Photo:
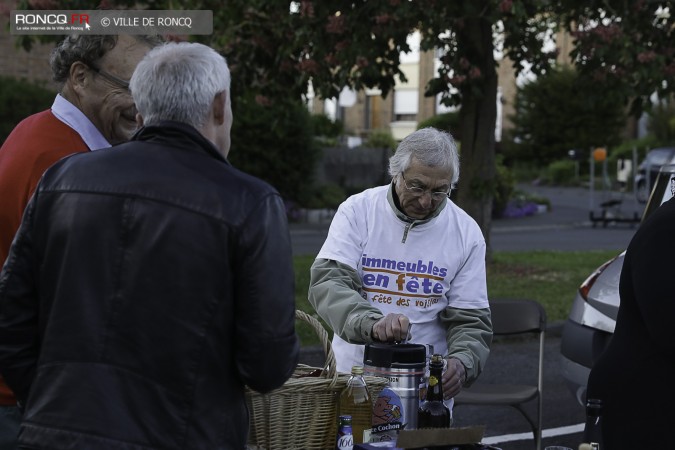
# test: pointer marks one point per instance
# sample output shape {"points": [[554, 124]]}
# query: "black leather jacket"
{"points": [[147, 284]]}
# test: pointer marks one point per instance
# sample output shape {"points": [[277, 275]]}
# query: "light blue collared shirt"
{"points": [[69, 114]]}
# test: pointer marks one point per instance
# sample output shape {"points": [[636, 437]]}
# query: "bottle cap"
{"points": [[345, 419], [436, 361], [436, 358], [357, 370]]}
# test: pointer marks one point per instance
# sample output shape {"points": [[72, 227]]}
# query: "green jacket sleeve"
{"points": [[469, 335], [334, 292]]}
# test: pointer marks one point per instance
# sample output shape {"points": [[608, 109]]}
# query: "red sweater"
{"points": [[33, 146]]}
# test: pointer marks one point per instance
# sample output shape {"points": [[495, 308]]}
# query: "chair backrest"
{"points": [[511, 317], [515, 316]]}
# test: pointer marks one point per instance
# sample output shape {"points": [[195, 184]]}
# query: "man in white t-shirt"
{"points": [[404, 259]]}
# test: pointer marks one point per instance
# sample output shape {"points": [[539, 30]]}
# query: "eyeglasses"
{"points": [[417, 191], [110, 77]]}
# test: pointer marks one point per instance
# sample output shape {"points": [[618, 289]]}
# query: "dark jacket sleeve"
{"points": [[267, 346], [19, 341]]}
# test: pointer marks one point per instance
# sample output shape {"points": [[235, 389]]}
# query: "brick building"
{"points": [[18, 63]]}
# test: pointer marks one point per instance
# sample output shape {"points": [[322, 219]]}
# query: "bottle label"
{"points": [[388, 416], [345, 442], [433, 381]]}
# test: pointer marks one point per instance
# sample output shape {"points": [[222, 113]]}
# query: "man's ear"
{"points": [[79, 73], [139, 120], [218, 107]]}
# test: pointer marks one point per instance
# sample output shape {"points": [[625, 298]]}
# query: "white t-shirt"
{"points": [[415, 270]]}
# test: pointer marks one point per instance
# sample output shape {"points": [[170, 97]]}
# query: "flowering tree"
{"points": [[359, 43], [276, 47], [629, 46], [626, 44]]}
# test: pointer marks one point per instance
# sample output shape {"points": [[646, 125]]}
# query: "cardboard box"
{"points": [[391, 445], [429, 437], [438, 437]]}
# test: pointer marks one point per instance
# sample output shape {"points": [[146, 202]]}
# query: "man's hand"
{"points": [[454, 377], [391, 328]]}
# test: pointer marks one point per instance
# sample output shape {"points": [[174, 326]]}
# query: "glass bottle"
{"points": [[355, 401], [593, 427], [432, 412], [344, 439]]}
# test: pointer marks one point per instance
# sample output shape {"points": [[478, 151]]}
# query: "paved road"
{"points": [[567, 226]]}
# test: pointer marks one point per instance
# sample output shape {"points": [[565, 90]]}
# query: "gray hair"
{"points": [[88, 49], [429, 146], [178, 81]]}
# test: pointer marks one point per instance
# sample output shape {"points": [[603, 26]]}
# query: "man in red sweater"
{"points": [[93, 111]]}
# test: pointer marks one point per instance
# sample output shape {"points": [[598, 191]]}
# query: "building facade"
{"points": [[406, 106]]}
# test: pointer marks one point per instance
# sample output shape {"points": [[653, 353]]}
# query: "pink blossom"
{"points": [[505, 6], [382, 19], [670, 70], [5, 9], [330, 59], [306, 9], [309, 66], [175, 37], [342, 45], [646, 57], [336, 24], [639, 5], [42, 4], [607, 33], [474, 73], [457, 80], [285, 66], [263, 100]]}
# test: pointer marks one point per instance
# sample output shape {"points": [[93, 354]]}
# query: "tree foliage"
{"points": [[558, 112], [662, 121], [628, 45], [19, 99], [274, 142], [448, 121], [275, 48]]}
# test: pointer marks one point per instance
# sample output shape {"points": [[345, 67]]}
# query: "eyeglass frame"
{"points": [[417, 191], [110, 77]]}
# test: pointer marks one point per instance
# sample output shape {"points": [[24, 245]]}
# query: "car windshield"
{"points": [[663, 190], [658, 156]]}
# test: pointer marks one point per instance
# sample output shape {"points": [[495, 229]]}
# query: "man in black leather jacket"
{"points": [[149, 283]]}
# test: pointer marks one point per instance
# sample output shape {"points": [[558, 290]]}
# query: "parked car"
{"points": [[651, 165], [590, 324]]}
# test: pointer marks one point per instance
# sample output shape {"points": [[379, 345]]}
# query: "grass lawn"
{"points": [[550, 277]]}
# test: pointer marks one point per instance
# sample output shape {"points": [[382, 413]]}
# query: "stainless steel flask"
{"points": [[404, 365]]}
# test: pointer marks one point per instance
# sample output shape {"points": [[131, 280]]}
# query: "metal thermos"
{"points": [[404, 365]]}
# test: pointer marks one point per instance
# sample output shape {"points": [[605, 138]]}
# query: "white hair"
{"points": [[178, 81], [431, 147]]}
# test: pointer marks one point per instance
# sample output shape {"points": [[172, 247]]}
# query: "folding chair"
{"points": [[513, 317]]}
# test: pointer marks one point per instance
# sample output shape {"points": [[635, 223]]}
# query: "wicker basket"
{"points": [[302, 414]]}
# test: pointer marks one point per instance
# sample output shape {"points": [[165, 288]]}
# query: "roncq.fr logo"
{"points": [[52, 19]]}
